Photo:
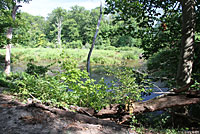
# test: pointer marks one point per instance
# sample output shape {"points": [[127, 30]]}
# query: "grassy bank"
{"points": [[106, 57]]}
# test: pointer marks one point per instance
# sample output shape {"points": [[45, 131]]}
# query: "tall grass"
{"points": [[21, 55]]}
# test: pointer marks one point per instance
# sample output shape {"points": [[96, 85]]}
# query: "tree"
{"points": [[146, 13], [30, 31], [12, 7], [95, 36], [56, 19], [185, 66], [84, 23], [70, 30]]}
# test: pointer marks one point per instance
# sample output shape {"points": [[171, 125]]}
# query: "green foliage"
{"points": [[126, 41], [196, 85], [130, 56], [3, 81], [46, 55], [77, 29], [129, 84], [82, 90], [74, 44], [109, 48], [155, 39], [30, 31], [46, 89], [104, 60], [73, 86], [134, 49], [163, 63], [33, 69]]}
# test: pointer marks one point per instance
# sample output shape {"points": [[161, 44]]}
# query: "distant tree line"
{"points": [[74, 28]]}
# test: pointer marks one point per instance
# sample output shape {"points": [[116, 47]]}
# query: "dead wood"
{"points": [[120, 112], [76, 116], [123, 112]]}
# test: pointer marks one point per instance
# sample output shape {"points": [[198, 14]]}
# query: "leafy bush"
{"points": [[39, 70], [129, 84], [75, 44], [130, 56], [82, 90], [3, 81], [70, 87], [196, 85], [100, 60], [164, 63], [73, 86], [109, 48], [47, 89], [129, 49]]}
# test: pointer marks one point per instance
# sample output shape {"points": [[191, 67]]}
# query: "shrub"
{"points": [[129, 84], [128, 49], [82, 90], [164, 63], [70, 87], [100, 60], [130, 56], [3, 81], [73, 86], [39, 70], [109, 48], [75, 44]]}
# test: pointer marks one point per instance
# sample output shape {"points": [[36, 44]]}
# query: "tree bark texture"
{"points": [[94, 39], [184, 71], [8, 46]]}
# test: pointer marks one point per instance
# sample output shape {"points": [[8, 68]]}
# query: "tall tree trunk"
{"points": [[8, 46], [94, 39], [8, 52], [184, 71], [59, 25]]}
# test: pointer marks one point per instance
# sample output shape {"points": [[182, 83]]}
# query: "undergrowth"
{"points": [[73, 86]]}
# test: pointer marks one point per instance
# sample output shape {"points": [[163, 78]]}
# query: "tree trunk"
{"points": [[184, 71], [8, 52], [94, 39], [59, 25], [8, 46]]}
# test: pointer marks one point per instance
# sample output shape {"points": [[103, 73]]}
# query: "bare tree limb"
{"points": [[94, 39]]}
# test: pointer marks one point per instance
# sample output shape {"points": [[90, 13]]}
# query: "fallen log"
{"points": [[158, 103], [153, 104], [123, 112]]}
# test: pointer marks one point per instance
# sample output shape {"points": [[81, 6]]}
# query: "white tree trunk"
{"points": [[184, 71], [59, 25], [8, 52], [8, 46]]}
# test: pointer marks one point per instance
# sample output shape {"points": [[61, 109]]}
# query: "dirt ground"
{"points": [[19, 118]]}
